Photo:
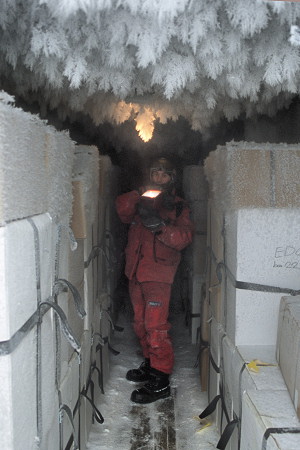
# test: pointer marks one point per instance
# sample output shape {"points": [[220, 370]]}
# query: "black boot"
{"points": [[157, 387], [140, 374]]}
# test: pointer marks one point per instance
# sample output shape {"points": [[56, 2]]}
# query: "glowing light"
{"points": [[151, 194], [143, 116], [145, 124]]}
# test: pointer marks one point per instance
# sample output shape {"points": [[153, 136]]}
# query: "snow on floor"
{"points": [[167, 424]]}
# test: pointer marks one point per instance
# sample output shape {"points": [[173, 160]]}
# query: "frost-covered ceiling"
{"points": [[151, 59]]}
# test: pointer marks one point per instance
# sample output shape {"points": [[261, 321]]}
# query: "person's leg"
{"points": [[157, 299], [138, 304]]}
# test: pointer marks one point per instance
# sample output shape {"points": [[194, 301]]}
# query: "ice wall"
{"points": [[253, 265], [56, 293]]}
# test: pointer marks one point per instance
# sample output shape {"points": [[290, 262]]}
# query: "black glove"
{"points": [[168, 201], [153, 223], [150, 217]]}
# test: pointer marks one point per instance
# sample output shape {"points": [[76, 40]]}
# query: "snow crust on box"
{"points": [[60, 149], [35, 167], [247, 174], [23, 171], [86, 169]]}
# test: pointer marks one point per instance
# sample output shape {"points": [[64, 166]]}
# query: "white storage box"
{"points": [[18, 374], [268, 409], [240, 378], [263, 246], [251, 175], [18, 276], [288, 346], [69, 390], [251, 316]]}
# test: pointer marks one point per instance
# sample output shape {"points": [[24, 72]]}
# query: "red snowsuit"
{"points": [[151, 263]]}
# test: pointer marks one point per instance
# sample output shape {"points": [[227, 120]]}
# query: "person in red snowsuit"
{"points": [[159, 230]]}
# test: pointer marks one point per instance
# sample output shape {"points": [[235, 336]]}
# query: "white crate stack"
{"points": [[49, 284], [195, 192], [254, 260]]}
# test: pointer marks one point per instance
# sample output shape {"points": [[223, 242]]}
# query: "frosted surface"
{"points": [[201, 60], [35, 167]]}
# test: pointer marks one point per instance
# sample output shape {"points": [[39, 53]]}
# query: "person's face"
{"points": [[160, 177]]}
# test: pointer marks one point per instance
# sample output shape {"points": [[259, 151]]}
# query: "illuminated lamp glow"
{"points": [[144, 124], [151, 194]]}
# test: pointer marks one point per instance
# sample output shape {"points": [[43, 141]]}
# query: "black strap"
{"points": [[194, 316], [216, 368], [112, 350], [68, 333], [270, 431], [259, 287], [100, 377], [97, 414], [103, 341], [7, 347], [75, 293], [211, 407], [226, 435], [264, 288], [70, 416], [114, 327], [249, 285]]}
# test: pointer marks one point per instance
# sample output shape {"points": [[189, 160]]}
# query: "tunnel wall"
{"points": [[252, 280], [59, 270], [195, 188]]}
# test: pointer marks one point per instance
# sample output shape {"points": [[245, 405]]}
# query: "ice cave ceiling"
{"points": [[151, 61]]}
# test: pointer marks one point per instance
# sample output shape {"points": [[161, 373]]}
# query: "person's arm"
{"points": [[180, 234], [126, 205]]}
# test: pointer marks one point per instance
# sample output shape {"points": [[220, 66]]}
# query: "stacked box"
{"points": [[253, 241], [69, 394], [26, 245], [253, 245], [18, 277], [195, 192], [85, 216], [216, 337], [35, 167], [196, 289], [86, 411], [262, 246], [105, 330], [23, 159], [35, 206], [288, 346], [60, 265], [266, 409], [251, 175], [50, 398], [105, 167], [18, 391]]}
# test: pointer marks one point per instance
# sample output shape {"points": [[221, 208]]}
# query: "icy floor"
{"points": [[160, 425]]}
